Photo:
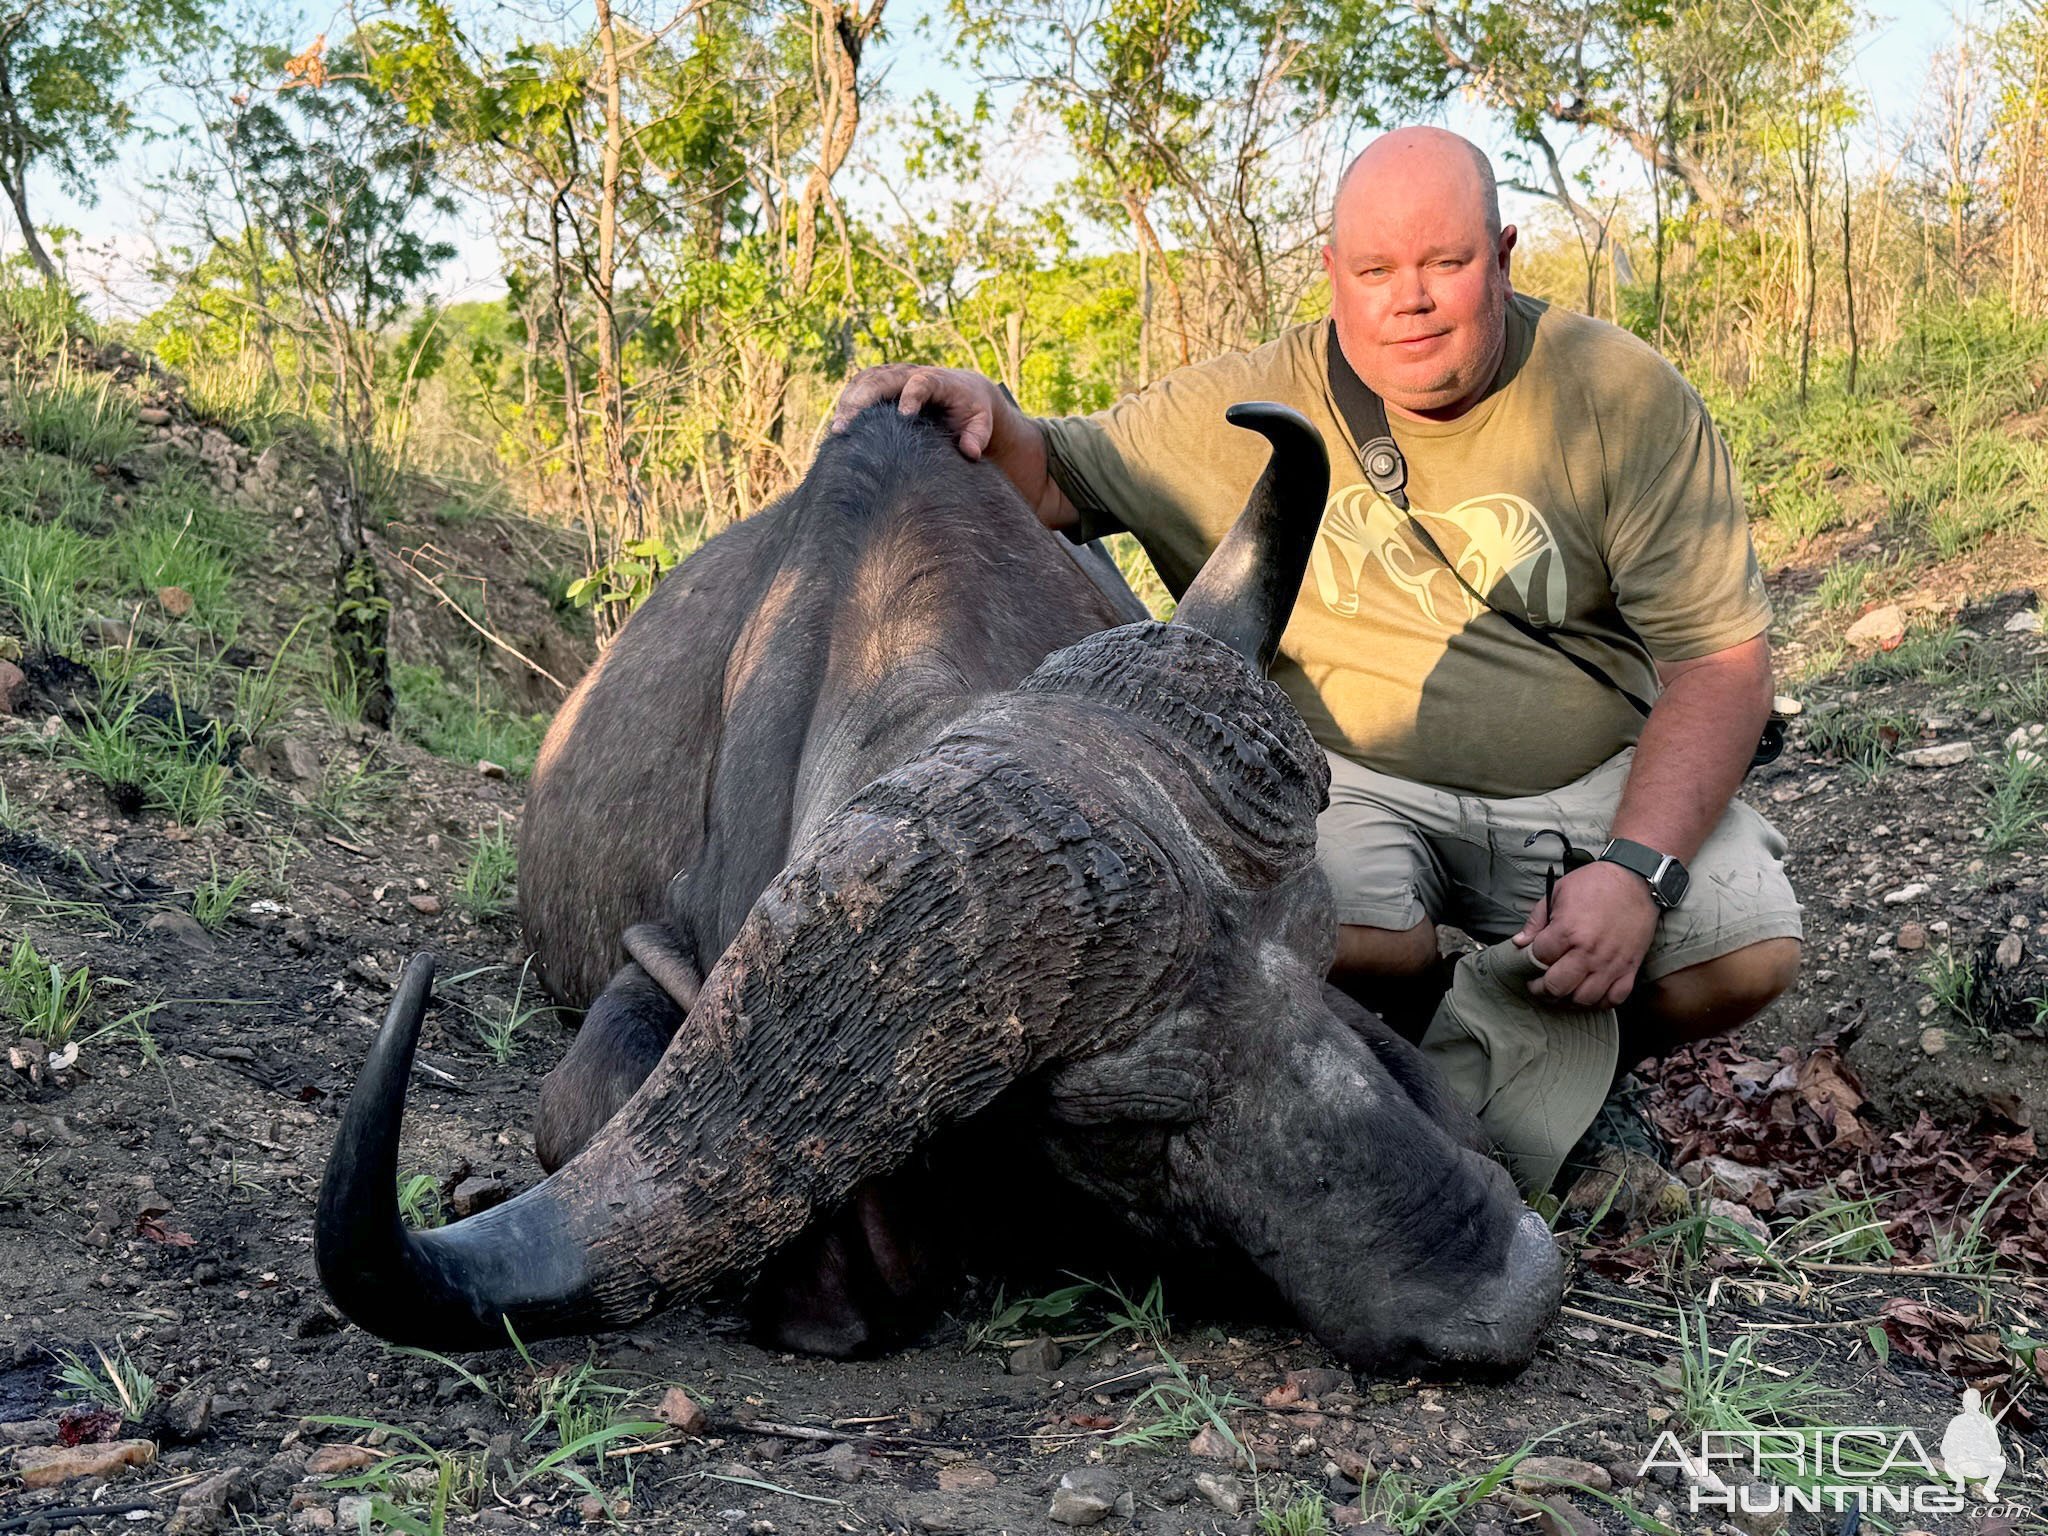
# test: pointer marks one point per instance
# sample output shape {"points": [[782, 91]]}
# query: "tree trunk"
{"points": [[1142, 223], [1144, 314], [362, 611], [17, 194], [623, 501], [1849, 263], [1809, 156]]}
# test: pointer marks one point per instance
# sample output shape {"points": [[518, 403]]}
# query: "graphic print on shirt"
{"points": [[1488, 538]]}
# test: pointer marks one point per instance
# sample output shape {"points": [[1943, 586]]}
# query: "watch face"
{"points": [[1671, 889]]}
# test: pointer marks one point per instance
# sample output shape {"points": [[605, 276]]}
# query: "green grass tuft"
{"points": [[485, 890], [119, 1383], [45, 572], [440, 717], [214, 899], [38, 996], [70, 414]]}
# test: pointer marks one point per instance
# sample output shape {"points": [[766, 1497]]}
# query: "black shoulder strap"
{"points": [[1387, 472]]}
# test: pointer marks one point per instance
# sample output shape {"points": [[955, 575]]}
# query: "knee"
{"points": [[1388, 952], [1728, 991], [1757, 976]]}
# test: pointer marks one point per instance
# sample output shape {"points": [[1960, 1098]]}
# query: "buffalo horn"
{"points": [[960, 923], [1246, 589]]}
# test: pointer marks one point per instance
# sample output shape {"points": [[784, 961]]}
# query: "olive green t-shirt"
{"points": [[1587, 490]]}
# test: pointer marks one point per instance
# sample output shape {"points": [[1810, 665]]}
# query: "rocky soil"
{"points": [[156, 1182]]}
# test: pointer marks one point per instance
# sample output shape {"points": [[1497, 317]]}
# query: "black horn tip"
{"points": [[1246, 589], [1258, 414], [358, 1232], [1288, 431]]}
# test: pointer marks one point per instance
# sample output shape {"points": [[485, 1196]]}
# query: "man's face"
{"points": [[1419, 289]]}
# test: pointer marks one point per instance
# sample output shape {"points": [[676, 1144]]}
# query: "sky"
{"points": [[116, 231]]}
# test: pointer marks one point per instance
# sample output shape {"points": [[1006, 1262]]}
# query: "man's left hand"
{"points": [[1594, 940]]}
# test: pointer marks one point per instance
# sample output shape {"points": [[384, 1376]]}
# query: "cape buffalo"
{"points": [[896, 818]]}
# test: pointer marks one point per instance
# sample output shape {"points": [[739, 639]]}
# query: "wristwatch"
{"points": [[1666, 876]]}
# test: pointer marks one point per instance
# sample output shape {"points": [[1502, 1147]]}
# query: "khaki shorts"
{"points": [[1397, 852]]}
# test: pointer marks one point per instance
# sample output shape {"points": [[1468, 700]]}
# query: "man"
{"points": [[1566, 473]]}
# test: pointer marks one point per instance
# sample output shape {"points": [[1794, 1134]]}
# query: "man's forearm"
{"points": [[1019, 449], [1695, 747]]}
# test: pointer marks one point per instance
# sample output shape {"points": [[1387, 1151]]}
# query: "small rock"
{"points": [[1318, 1381], [1905, 893], [1912, 936], [186, 1417], [681, 1411], [29, 1058], [1221, 1490], [314, 1517], [1212, 1443], [1085, 1497], [47, 1466], [28, 1432], [426, 906], [1934, 1040], [352, 1512], [2009, 953], [478, 1193], [338, 1460], [489, 769], [1040, 1357], [153, 416], [2026, 622], [1742, 1216], [13, 684], [203, 1506], [1949, 754], [1557, 1515], [2022, 736], [111, 633], [176, 602], [1533, 1473], [297, 759], [1881, 629], [1767, 1517], [182, 929], [968, 1479], [316, 1322], [845, 1461]]}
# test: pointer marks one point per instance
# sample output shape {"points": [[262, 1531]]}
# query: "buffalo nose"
{"points": [[1500, 1327]]}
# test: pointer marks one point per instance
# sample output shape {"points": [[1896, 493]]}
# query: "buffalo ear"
{"points": [[1161, 1087]]}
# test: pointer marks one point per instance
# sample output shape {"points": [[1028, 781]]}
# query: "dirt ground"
{"points": [[156, 1197]]}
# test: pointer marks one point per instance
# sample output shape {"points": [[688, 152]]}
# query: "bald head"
{"points": [[1421, 163], [1418, 266]]}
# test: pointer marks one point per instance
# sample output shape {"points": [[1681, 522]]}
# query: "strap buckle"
{"points": [[1385, 468]]}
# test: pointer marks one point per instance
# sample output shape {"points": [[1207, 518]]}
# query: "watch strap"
{"points": [[1641, 859]]}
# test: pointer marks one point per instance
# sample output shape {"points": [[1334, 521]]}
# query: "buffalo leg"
{"points": [[622, 1037]]}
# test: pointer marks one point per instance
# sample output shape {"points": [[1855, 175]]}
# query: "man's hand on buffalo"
{"points": [[983, 421], [1592, 936], [970, 405]]}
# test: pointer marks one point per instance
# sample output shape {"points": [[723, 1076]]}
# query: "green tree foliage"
{"points": [[64, 98]]}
